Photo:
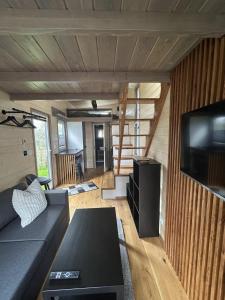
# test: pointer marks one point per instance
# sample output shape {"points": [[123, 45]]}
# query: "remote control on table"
{"points": [[65, 275]]}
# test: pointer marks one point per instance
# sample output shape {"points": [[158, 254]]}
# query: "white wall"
{"points": [[148, 90], [160, 143], [159, 151], [75, 135], [89, 137]]}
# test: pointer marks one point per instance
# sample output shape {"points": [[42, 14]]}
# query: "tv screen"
{"points": [[203, 146]]}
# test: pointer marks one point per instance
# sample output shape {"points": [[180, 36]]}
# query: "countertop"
{"points": [[70, 151]]}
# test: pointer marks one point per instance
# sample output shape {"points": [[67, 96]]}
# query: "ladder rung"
{"points": [[124, 167], [137, 120], [127, 147], [123, 157], [117, 135], [117, 145]]}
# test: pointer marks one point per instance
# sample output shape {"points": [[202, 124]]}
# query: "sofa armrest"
{"points": [[57, 197]]}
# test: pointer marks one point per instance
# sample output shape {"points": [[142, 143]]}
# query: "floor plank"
{"points": [[152, 275]]}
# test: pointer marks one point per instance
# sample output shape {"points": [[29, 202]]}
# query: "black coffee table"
{"points": [[91, 246]]}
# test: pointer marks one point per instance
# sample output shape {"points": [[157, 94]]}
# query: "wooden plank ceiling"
{"points": [[95, 52]]}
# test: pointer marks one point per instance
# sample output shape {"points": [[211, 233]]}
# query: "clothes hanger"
{"points": [[11, 119], [27, 122]]}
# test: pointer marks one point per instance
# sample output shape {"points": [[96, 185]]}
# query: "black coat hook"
{"points": [[27, 114], [12, 121]]}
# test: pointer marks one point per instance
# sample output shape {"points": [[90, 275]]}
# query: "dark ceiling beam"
{"points": [[53, 21]]}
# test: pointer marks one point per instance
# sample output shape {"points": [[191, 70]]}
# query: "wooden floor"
{"points": [[152, 275]]}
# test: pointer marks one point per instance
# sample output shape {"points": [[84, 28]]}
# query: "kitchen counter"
{"points": [[66, 162], [70, 151]]}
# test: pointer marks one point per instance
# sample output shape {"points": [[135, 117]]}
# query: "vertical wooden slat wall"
{"points": [[195, 218]]}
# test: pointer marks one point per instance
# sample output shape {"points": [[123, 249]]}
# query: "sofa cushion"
{"points": [[7, 212], [29, 204], [42, 228], [19, 261]]}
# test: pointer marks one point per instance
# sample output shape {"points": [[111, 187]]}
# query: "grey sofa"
{"points": [[26, 253]]}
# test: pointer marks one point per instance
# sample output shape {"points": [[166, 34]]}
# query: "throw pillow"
{"points": [[7, 212], [29, 204]]}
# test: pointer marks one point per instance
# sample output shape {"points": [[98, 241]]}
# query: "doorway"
{"points": [[99, 144], [102, 146], [42, 147]]}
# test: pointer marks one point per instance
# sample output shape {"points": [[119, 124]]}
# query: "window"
{"points": [[100, 133], [61, 134]]}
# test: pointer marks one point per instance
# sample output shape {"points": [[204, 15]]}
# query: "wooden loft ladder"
{"points": [[123, 105], [122, 162]]}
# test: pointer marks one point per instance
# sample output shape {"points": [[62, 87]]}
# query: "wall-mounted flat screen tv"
{"points": [[203, 146]]}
